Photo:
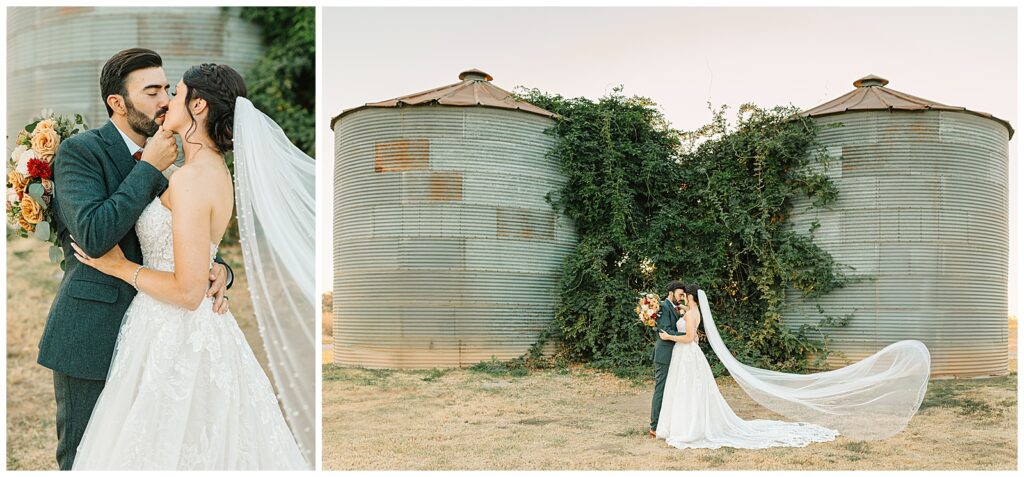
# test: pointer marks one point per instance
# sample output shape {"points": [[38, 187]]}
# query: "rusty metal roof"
{"points": [[872, 95], [473, 89]]}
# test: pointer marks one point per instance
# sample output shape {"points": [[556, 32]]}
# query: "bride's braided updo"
{"points": [[691, 289], [219, 85]]}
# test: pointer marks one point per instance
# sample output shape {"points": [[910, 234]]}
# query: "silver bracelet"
{"points": [[135, 278]]}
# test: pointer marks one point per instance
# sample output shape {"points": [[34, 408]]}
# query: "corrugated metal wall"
{"points": [[923, 208], [55, 54], [446, 252]]}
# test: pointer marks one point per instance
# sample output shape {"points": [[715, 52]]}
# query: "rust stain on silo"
{"points": [[519, 223], [67, 11], [401, 155], [444, 186]]}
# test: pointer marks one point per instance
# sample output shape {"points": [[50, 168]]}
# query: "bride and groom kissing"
{"points": [[871, 399], [150, 369]]}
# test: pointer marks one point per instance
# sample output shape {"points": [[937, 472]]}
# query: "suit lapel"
{"points": [[671, 313], [117, 150], [672, 310]]}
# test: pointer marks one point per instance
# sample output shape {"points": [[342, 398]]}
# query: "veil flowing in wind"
{"points": [[868, 400], [275, 200]]}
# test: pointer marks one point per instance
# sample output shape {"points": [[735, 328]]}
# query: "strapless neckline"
{"points": [[169, 211]]}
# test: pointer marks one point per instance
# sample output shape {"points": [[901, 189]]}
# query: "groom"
{"points": [[663, 348], [103, 179]]}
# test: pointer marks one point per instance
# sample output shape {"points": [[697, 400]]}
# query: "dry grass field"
{"points": [[580, 419], [326, 338], [31, 283]]}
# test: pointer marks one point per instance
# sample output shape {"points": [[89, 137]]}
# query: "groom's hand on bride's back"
{"points": [[218, 285], [161, 151]]}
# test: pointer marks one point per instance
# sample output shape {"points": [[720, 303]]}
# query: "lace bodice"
{"points": [[156, 239]]}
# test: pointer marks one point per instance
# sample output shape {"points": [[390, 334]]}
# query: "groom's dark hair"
{"points": [[674, 285], [119, 66]]}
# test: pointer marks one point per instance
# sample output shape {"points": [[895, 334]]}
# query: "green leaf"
{"points": [[35, 191], [56, 254], [43, 231], [31, 127]]}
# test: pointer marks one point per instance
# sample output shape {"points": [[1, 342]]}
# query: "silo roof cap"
{"points": [[473, 89], [872, 95]]}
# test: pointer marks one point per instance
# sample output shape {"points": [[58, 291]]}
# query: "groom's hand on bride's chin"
{"points": [[161, 151]]}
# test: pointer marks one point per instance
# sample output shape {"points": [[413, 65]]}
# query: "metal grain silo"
{"points": [[55, 54], [923, 210], [445, 250]]}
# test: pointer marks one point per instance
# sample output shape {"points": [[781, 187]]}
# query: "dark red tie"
{"points": [[137, 155]]}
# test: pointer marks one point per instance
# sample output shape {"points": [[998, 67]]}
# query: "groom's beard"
{"points": [[141, 123]]}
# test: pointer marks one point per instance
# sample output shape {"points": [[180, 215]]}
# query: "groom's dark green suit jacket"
{"points": [[99, 193], [667, 318]]}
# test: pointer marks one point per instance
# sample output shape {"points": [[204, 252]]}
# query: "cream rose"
{"points": [[45, 124], [17, 152], [45, 141]]}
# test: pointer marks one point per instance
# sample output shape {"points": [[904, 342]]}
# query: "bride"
{"points": [[871, 399], [184, 390]]}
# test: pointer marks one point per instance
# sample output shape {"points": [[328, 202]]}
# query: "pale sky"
{"points": [[681, 57]]}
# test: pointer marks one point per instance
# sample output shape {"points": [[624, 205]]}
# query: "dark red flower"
{"points": [[39, 169]]}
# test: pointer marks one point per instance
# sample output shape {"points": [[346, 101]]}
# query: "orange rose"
{"points": [[18, 182], [26, 224], [45, 142], [30, 210]]}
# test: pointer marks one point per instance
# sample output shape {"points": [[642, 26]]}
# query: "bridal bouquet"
{"points": [[647, 309], [30, 177]]}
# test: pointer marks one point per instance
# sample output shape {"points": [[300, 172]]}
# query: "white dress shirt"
{"points": [[132, 147]]}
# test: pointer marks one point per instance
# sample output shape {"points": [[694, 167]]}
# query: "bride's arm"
{"points": [[191, 215]]}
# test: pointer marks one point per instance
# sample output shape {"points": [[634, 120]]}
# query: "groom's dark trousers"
{"points": [[75, 400], [99, 193], [662, 356]]}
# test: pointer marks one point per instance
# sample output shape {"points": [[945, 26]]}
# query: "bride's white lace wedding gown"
{"points": [[184, 390], [695, 415]]}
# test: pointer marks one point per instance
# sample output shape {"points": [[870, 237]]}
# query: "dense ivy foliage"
{"points": [[282, 84], [652, 204]]}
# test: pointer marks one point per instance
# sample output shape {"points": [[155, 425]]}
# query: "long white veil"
{"points": [[275, 197], [871, 399]]}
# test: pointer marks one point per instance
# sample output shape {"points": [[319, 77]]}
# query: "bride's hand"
{"points": [[111, 263]]}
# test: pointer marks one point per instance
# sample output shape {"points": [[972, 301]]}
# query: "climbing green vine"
{"points": [[651, 204]]}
